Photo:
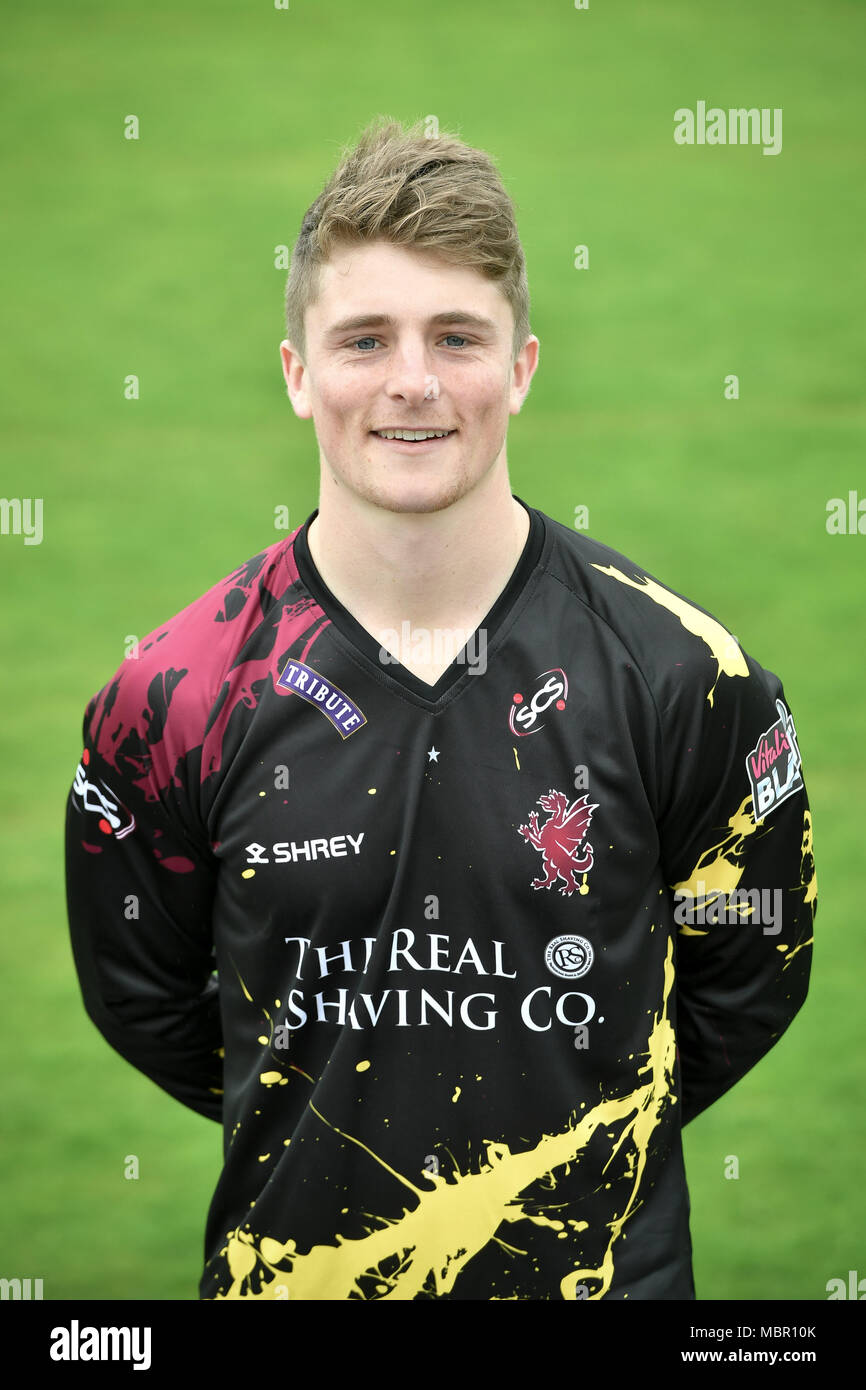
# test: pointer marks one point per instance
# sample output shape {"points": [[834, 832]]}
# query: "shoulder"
{"points": [[668, 636], [156, 707]]}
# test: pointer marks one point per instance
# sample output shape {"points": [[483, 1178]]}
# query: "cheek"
{"points": [[337, 420], [337, 397], [489, 392], [492, 408]]}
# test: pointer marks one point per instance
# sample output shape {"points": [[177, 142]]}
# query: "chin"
{"points": [[420, 501], [420, 497]]}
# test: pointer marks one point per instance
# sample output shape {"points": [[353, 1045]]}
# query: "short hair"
{"points": [[428, 193]]}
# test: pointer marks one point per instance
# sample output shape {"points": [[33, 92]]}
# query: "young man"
{"points": [[500, 848]]}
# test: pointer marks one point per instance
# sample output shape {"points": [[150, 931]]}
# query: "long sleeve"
{"points": [[139, 896], [736, 840]]}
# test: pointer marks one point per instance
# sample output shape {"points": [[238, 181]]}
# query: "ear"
{"points": [[522, 373], [295, 374]]}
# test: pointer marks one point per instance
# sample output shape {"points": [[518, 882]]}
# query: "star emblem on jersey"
{"points": [[561, 840]]}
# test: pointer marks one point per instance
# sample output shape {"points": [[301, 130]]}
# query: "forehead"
{"points": [[403, 285]]}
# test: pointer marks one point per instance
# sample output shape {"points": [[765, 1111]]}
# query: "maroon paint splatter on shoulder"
{"points": [[190, 675]]}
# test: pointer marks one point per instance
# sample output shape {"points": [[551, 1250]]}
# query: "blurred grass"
{"points": [[156, 257]]}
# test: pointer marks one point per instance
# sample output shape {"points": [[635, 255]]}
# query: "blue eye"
{"points": [[461, 341]]}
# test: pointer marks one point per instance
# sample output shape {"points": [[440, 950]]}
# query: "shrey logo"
{"points": [[562, 841], [551, 688], [329, 698], [569, 957], [288, 852], [114, 819], [774, 765]]}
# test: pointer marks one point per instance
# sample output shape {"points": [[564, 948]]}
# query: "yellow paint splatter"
{"points": [[453, 1219], [516, 759], [371, 791], [540, 1220], [717, 870], [263, 1040], [263, 1158], [248, 873], [791, 954], [724, 648], [247, 994], [456, 1095], [810, 884], [271, 1078], [240, 1254], [362, 1066]]}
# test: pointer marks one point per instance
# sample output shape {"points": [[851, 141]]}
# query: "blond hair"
{"points": [[428, 193]]}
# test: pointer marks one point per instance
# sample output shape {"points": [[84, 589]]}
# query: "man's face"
{"points": [[400, 339]]}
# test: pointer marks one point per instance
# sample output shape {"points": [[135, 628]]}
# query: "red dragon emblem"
{"points": [[561, 840]]}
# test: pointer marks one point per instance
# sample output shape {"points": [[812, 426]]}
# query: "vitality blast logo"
{"points": [[330, 699], [774, 765]]}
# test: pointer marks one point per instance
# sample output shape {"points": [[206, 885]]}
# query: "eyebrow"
{"points": [[384, 320]]}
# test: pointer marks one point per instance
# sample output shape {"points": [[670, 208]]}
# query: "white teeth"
{"points": [[413, 434]]}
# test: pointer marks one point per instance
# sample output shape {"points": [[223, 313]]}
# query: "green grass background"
{"points": [[156, 257]]}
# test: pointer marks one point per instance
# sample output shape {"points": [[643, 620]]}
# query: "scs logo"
{"points": [[551, 688], [98, 798]]}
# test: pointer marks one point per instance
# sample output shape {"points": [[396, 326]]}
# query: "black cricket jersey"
{"points": [[452, 964]]}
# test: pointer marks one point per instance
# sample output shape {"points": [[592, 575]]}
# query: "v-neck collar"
{"points": [[365, 644]]}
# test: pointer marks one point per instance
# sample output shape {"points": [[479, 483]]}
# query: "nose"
{"points": [[410, 376]]}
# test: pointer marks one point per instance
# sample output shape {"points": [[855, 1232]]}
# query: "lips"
{"points": [[414, 446], [430, 431]]}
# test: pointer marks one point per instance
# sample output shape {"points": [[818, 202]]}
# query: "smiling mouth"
{"points": [[399, 436]]}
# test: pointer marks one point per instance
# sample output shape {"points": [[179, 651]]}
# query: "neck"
{"points": [[425, 567]]}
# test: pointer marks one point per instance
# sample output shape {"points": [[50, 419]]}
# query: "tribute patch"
{"points": [[343, 713]]}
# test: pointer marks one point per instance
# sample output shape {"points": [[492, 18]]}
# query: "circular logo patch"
{"points": [[569, 957]]}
